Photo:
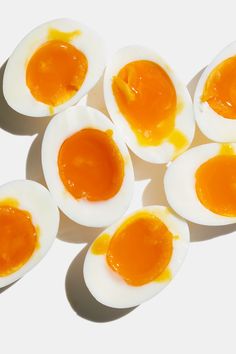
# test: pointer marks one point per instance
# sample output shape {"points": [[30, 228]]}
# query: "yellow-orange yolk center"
{"points": [[216, 184], [141, 249], [91, 165], [220, 89], [147, 99], [18, 239], [55, 72]]}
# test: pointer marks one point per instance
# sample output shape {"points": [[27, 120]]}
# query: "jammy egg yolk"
{"points": [[90, 165], [220, 89], [55, 72], [18, 239], [216, 184], [141, 249], [146, 97]]}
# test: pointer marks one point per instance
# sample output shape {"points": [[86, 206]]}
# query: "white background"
{"points": [[50, 310]]}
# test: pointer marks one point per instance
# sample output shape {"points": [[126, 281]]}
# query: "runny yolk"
{"points": [[18, 238], [90, 165], [215, 183], [220, 88], [55, 72], [146, 97], [141, 249]]}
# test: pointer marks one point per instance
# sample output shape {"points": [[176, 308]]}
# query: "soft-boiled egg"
{"points": [[200, 184], [29, 221], [152, 108], [87, 166], [135, 258], [215, 97], [53, 67]]}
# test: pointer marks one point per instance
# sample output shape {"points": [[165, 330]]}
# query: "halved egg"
{"points": [[148, 103], [87, 166], [29, 221], [135, 258], [53, 67], [200, 185], [215, 97]]}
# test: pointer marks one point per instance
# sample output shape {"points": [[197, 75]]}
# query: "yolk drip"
{"points": [[18, 239], [220, 89], [147, 99], [55, 72], [141, 249], [216, 184], [91, 165]]}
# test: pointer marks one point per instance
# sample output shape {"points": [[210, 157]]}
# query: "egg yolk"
{"points": [[216, 184], [146, 97], [141, 249], [90, 165], [220, 89], [18, 239], [55, 72]]}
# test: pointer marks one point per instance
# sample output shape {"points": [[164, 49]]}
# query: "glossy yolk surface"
{"points": [[141, 249], [216, 184], [146, 97], [55, 72], [220, 89], [18, 239], [91, 165]]}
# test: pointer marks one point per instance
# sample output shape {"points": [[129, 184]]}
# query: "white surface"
{"points": [[196, 312]]}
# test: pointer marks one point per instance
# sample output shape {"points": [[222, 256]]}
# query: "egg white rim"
{"points": [[35, 199], [184, 120], [89, 42], [82, 211]]}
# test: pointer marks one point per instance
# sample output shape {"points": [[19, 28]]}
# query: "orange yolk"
{"points": [[216, 184], [90, 165], [220, 89], [56, 72], [141, 249], [18, 239], [146, 97]]}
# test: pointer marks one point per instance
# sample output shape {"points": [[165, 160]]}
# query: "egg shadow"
{"points": [[81, 300], [95, 97], [2, 290], [14, 122]]}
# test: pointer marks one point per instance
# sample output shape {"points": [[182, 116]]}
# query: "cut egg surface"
{"points": [[29, 220], [215, 97], [200, 185], [135, 258], [149, 104], [54, 66], [87, 166]]}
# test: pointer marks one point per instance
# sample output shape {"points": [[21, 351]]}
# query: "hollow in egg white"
{"points": [[53, 67], [87, 166], [135, 258], [149, 104]]}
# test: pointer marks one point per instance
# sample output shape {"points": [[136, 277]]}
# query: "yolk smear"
{"points": [[100, 245], [176, 237], [90, 165], [146, 97], [54, 33], [220, 89], [55, 72], [165, 276], [179, 141], [10, 202], [216, 184], [226, 149], [18, 238], [141, 249]]}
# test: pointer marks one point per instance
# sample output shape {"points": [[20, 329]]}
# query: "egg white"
{"points": [[35, 199], [213, 125], [162, 153], [110, 289], [15, 90], [82, 211], [179, 184]]}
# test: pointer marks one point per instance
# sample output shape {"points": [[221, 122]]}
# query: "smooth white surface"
{"points": [[196, 312]]}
